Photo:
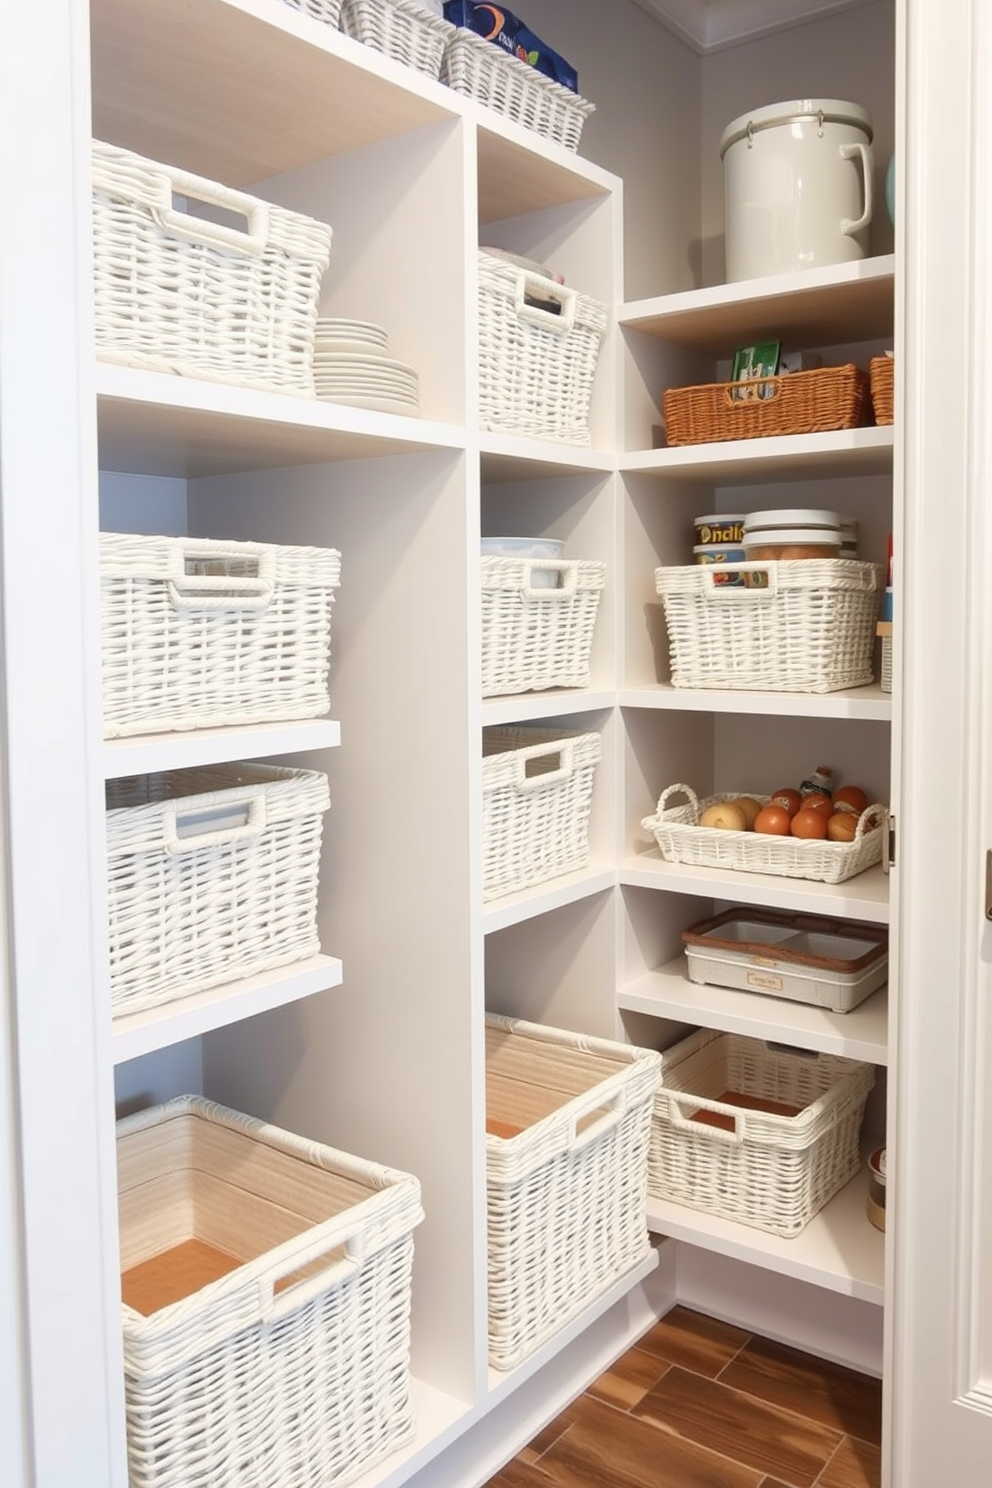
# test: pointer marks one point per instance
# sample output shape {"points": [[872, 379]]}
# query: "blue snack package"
{"points": [[502, 27]]}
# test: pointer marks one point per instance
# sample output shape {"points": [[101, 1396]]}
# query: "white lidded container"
{"points": [[797, 186]]}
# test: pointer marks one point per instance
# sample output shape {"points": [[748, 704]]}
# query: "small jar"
{"points": [[721, 557], [876, 1188]]}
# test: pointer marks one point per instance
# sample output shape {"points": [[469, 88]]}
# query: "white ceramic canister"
{"points": [[797, 186]]}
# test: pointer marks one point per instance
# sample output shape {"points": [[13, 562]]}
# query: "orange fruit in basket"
{"points": [[809, 822], [818, 801], [789, 798], [842, 826], [850, 798], [773, 820]]}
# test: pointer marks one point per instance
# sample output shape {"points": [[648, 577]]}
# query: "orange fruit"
{"points": [[773, 820], [809, 822]]}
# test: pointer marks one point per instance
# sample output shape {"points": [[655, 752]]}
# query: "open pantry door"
{"points": [[939, 1326]]}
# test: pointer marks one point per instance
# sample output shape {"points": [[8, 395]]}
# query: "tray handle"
{"points": [[676, 790]]}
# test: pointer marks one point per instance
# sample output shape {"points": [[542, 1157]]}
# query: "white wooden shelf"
{"points": [[559, 703], [513, 909], [147, 753], [173, 1022], [668, 993], [507, 457], [154, 91], [154, 423], [827, 306], [839, 1249], [864, 897], [866, 703], [742, 462]]}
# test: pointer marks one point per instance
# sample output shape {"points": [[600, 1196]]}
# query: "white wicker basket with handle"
{"points": [[771, 1170], [482, 70], [810, 627], [293, 1368], [401, 29], [536, 801], [566, 1181], [681, 839], [179, 292], [201, 633], [536, 636], [539, 344], [211, 876]]}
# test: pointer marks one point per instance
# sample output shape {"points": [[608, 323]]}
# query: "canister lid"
{"points": [[832, 110], [805, 517], [811, 537]]}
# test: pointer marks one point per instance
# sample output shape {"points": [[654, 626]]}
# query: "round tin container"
{"points": [[720, 556], [719, 530]]}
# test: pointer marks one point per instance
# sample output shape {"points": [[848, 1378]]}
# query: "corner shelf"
{"points": [[832, 305], [839, 1250], [864, 703], [864, 897], [741, 462], [668, 993]]}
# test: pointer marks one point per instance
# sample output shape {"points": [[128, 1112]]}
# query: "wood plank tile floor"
{"points": [[700, 1404]]}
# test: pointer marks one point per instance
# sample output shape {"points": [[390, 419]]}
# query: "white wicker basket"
{"points": [[539, 344], [566, 1186], [212, 876], [535, 637], [178, 292], [770, 1171], [328, 11], [198, 633], [481, 70], [401, 29], [811, 628], [293, 1368], [536, 800], [681, 839]]}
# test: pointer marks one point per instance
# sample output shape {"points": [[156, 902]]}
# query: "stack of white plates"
{"points": [[351, 365]]}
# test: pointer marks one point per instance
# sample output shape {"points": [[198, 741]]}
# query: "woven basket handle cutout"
{"points": [[715, 586], [280, 1293], [557, 763], [191, 588], [582, 1137], [562, 320], [567, 570], [241, 818], [734, 1138], [171, 218]]}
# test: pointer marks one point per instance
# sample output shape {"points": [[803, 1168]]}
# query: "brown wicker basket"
{"points": [[796, 403], [881, 373]]}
